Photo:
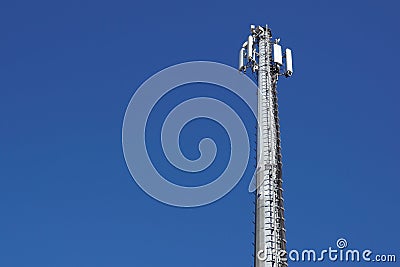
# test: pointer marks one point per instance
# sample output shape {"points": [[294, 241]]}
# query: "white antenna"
{"points": [[289, 64], [278, 54], [250, 47], [241, 58]]}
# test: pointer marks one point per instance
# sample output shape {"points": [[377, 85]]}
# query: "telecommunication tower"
{"points": [[263, 56]]}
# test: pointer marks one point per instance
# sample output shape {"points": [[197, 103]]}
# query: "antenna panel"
{"points": [[250, 47], [289, 62], [278, 54], [241, 59]]}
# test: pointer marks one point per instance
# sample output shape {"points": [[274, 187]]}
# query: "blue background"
{"points": [[68, 70]]}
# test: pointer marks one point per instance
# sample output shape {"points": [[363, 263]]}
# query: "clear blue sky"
{"points": [[68, 71]]}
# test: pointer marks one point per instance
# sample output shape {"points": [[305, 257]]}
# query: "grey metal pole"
{"points": [[270, 236]]}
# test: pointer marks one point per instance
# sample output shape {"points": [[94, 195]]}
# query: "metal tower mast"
{"points": [[264, 57]]}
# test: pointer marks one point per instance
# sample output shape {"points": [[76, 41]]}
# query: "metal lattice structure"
{"points": [[264, 57]]}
